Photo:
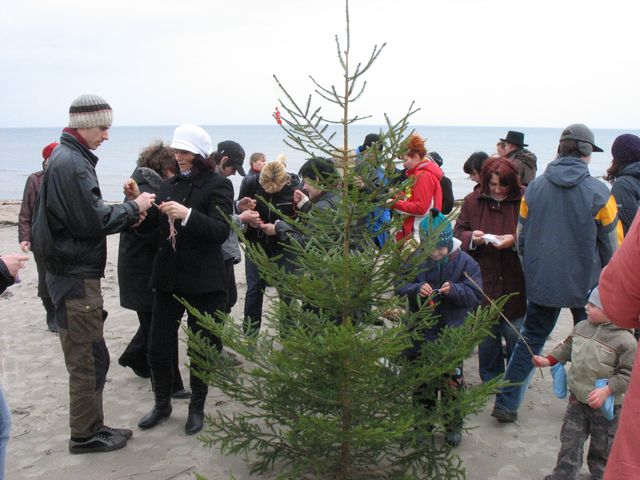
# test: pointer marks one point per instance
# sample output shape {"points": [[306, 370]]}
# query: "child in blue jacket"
{"points": [[441, 281]]}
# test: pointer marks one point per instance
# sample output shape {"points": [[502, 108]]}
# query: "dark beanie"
{"points": [[319, 169], [369, 140], [626, 149]]}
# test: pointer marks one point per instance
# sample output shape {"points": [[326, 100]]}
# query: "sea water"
{"points": [[20, 150]]}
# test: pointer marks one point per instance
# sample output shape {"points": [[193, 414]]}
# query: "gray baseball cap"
{"points": [[580, 133]]}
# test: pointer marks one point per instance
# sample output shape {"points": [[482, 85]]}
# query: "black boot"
{"points": [[177, 390], [161, 382], [195, 420]]}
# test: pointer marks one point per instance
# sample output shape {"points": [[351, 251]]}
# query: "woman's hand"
{"points": [[445, 288], [174, 210], [25, 246], [597, 396], [246, 203], [130, 189], [476, 237], [506, 241], [249, 216]]}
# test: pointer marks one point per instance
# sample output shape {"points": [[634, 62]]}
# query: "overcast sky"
{"points": [[543, 63]]}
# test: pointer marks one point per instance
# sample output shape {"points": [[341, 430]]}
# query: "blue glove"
{"points": [[607, 406], [559, 380]]}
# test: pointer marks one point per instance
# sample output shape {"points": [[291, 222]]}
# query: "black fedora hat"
{"points": [[515, 138]]}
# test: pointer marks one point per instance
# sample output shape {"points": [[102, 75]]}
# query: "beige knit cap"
{"points": [[88, 111]]}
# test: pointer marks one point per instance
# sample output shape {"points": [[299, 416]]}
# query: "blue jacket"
{"points": [[568, 229], [462, 298]]}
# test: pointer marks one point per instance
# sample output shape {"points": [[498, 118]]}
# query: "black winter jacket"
{"points": [[196, 265], [137, 250], [70, 221], [282, 201], [626, 191]]}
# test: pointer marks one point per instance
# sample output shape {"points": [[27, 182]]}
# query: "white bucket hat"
{"points": [[192, 138]]}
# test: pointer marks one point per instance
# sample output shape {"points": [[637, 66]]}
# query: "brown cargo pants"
{"points": [[80, 319]]}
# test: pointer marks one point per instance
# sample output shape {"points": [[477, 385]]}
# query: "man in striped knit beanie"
{"points": [[69, 229]]}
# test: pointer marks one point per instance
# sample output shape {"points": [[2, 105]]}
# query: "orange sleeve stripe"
{"points": [[608, 214], [524, 209], [619, 233]]}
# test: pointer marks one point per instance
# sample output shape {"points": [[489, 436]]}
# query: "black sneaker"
{"points": [[123, 432], [101, 441], [504, 415], [52, 326]]}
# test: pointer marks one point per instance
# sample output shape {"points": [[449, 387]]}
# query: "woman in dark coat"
{"points": [[135, 261], [194, 206], [31, 189], [624, 173], [492, 208], [276, 187]]}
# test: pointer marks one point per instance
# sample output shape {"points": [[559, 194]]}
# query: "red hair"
{"points": [[415, 146], [506, 172]]}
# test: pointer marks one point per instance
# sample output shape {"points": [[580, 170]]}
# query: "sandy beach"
{"points": [[34, 377]]}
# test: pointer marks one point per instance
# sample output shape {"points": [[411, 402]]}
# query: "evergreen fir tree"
{"points": [[328, 391]]}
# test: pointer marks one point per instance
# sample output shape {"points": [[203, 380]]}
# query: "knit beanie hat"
{"points": [[594, 298], [192, 138], [437, 222], [626, 149], [88, 111]]}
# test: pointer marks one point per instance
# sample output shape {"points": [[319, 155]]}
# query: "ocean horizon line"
{"points": [[357, 125]]}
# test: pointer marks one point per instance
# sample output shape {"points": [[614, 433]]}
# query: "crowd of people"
{"points": [[544, 239]]}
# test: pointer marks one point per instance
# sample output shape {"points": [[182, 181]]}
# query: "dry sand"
{"points": [[33, 375]]}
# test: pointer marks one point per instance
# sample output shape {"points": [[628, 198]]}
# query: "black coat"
{"points": [[448, 200], [196, 265], [137, 250], [70, 221], [626, 191], [282, 201]]}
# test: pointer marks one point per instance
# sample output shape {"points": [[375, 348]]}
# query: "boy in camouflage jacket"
{"points": [[597, 349]]}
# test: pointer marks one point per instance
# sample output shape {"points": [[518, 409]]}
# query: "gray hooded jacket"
{"points": [[568, 230]]}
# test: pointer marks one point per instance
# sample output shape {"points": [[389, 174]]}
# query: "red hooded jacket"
{"points": [[426, 193]]}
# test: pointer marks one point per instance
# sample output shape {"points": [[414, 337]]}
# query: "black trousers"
{"points": [[135, 355], [232, 291], [448, 387], [163, 335]]}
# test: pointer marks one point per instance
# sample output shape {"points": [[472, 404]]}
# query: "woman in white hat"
{"points": [[188, 264]]}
